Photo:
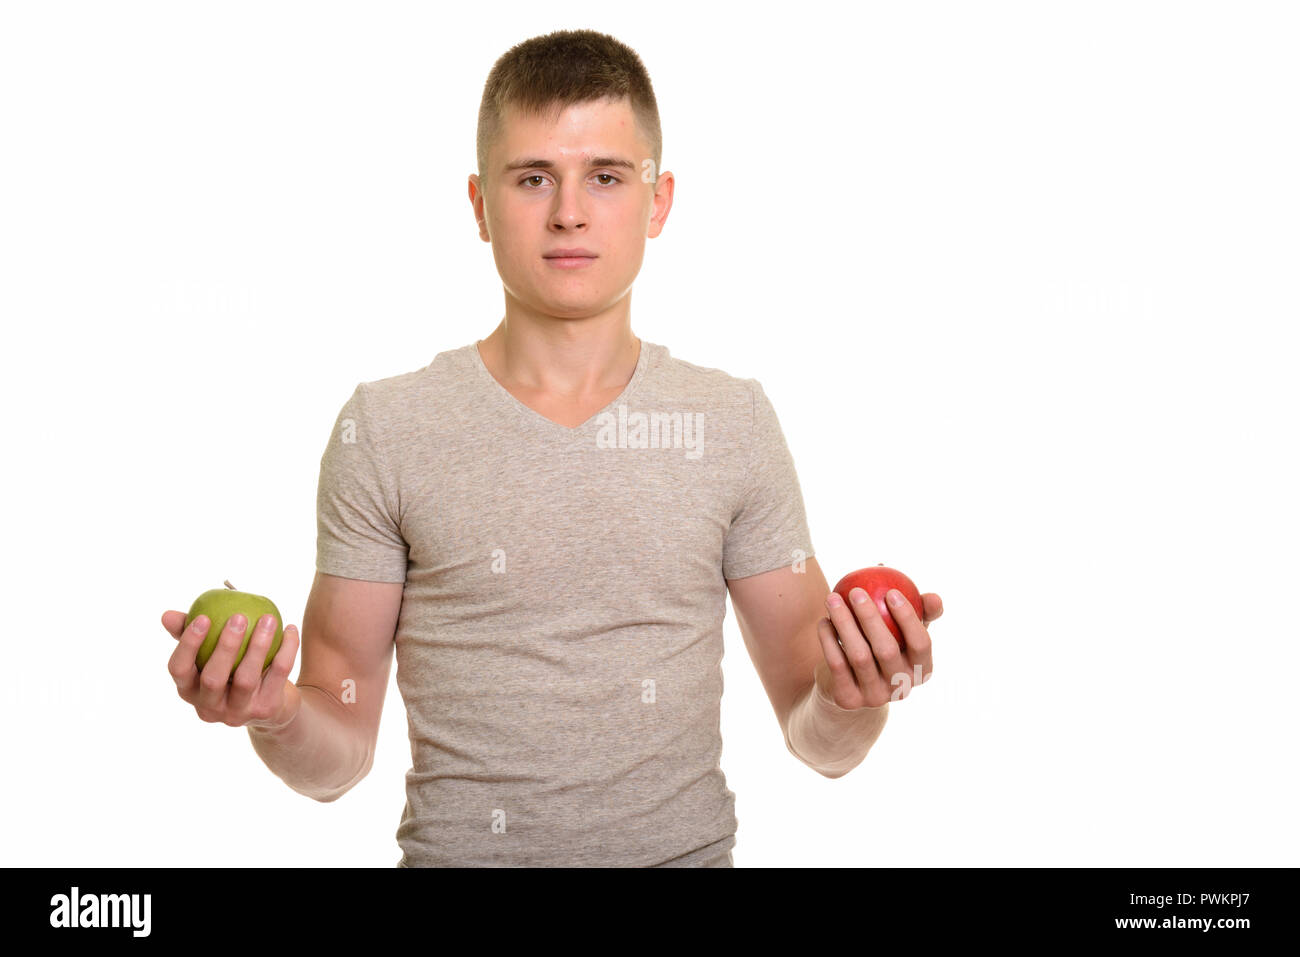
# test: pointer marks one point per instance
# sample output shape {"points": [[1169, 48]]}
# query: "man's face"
{"points": [[562, 184]]}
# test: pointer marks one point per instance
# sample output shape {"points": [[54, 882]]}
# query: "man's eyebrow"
{"points": [[547, 164]]}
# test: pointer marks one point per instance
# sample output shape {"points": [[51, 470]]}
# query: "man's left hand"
{"points": [[864, 666]]}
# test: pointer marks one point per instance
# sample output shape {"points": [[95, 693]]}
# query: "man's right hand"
{"points": [[253, 698]]}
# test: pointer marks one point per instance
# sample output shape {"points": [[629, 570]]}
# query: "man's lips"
{"points": [[570, 258]]}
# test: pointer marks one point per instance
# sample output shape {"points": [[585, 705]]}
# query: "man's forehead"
{"points": [[595, 132], [613, 115]]}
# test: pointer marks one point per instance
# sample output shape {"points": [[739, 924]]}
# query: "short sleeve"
{"points": [[769, 528], [357, 533]]}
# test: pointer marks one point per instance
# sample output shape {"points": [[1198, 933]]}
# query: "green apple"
{"points": [[219, 604]]}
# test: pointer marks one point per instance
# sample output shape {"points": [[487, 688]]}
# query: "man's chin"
{"points": [[583, 308]]}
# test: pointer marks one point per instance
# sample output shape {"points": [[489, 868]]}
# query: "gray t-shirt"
{"points": [[560, 640]]}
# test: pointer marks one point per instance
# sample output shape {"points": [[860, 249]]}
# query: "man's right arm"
{"points": [[326, 744], [320, 751]]}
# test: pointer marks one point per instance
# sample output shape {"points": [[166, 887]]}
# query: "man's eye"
{"points": [[610, 175], [527, 178]]}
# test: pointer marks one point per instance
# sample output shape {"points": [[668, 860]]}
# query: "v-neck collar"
{"points": [[534, 420]]}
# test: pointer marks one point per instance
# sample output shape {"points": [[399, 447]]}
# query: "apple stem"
{"points": [[230, 586]]}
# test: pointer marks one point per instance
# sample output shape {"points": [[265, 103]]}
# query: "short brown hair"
{"points": [[545, 74]]}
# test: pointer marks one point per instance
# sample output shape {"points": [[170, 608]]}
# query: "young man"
{"points": [[545, 523]]}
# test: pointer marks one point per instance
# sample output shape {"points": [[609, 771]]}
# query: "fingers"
{"points": [[247, 678], [933, 606], [278, 673], [214, 679], [174, 622], [216, 693], [888, 653], [181, 665], [847, 690], [844, 686], [860, 653], [275, 683], [917, 640]]}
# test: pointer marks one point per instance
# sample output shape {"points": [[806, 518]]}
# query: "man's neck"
{"points": [[572, 359]]}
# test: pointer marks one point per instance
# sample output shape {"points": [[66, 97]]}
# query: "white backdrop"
{"points": [[1019, 278]]}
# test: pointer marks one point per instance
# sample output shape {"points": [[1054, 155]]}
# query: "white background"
{"points": [[1019, 278]]}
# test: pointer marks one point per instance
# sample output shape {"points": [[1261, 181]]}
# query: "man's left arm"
{"points": [[829, 670]]}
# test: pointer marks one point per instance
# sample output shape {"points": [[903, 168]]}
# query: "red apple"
{"points": [[877, 582]]}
